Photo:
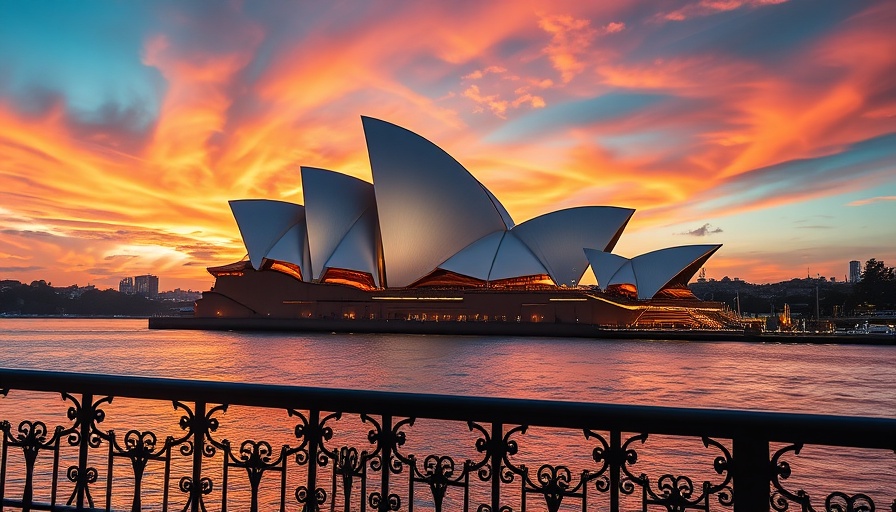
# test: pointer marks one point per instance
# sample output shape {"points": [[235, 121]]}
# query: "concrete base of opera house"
{"points": [[436, 327], [498, 329]]}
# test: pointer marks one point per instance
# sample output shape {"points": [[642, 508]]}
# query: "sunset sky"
{"points": [[768, 126]]}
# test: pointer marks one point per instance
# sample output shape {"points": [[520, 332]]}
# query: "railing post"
{"points": [[751, 474], [617, 459], [313, 442], [387, 463], [497, 440], [199, 431], [86, 405]]}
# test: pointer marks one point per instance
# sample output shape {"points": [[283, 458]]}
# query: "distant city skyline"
{"points": [[768, 126]]}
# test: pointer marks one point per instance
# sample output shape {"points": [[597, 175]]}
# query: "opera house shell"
{"points": [[427, 242]]}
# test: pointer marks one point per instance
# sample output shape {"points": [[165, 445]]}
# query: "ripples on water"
{"points": [[828, 379], [825, 379]]}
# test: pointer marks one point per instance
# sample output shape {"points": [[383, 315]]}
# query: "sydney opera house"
{"points": [[427, 242]]}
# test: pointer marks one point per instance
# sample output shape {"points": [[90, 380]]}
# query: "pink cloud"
{"points": [[710, 7], [479, 73], [614, 27], [871, 200]]}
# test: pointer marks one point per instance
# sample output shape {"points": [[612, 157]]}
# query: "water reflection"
{"points": [[827, 379]]}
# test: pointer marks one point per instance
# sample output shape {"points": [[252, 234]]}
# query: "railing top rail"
{"points": [[867, 432]]}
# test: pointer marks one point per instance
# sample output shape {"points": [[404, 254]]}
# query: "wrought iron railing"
{"points": [[81, 464]]}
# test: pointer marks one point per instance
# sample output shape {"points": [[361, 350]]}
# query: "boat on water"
{"points": [[872, 330]]}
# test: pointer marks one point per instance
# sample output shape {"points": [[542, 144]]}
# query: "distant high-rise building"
{"points": [[147, 286], [126, 285], [855, 271]]}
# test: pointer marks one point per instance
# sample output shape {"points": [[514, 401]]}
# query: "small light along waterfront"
{"points": [[829, 379]]}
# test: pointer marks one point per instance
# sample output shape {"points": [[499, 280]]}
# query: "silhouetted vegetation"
{"points": [[876, 292], [877, 289], [41, 299]]}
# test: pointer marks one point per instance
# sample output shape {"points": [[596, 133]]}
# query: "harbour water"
{"points": [[827, 379], [850, 380]]}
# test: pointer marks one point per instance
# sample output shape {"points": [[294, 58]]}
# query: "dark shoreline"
{"points": [[503, 329]]}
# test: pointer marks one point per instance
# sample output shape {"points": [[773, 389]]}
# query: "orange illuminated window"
{"points": [[284, 268], [624, 290], [534, 282], [232, 269], [440, 278], [353, 278], [675, 293]]}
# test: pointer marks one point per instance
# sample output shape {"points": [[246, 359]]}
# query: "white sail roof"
{"points": [[557, 238], [263, 222], [605, 265], [514, 259], [657, 269], [652, 271], [357, 250], [333, 204], [475, 260], [293, 248], [429, 206]]}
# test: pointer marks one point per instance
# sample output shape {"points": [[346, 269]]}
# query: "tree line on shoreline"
{"points": [[873, 294], [39, 298]]}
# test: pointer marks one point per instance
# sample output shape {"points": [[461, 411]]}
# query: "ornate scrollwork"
{"points": [[186, 486], [439, 472], [255, 458], [303, 496], [606, 457], [487, 508], [834, 502], [308, 432], [349, 464], [629, 457], [32, 435], [193, 426], [376, 502], [81, 481], [482, 467], [501, 449], [840, 502], [326, 453], [89, 416], [301, 451], [678, 492], [373, 435], [388, 441], [140, 448], [553, 482]]}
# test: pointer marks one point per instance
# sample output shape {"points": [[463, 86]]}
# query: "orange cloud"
{"points": [[492, 102]]}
